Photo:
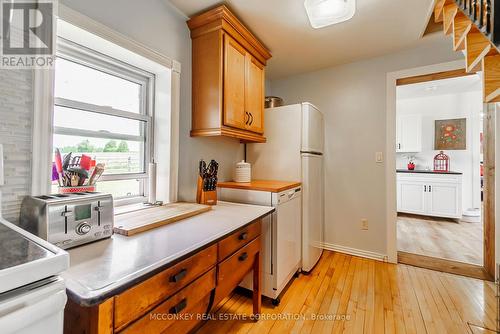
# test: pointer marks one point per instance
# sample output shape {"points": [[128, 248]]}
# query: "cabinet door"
{"points": [[444, 200], [409, 133], [254, 94], [411, 197], [234, 83]]}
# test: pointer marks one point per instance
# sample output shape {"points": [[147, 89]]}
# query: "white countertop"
{"points": [[101, 269]]}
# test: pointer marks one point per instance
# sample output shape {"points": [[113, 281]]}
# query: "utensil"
{"points": [[98, 171], [85, 162], [67, 160], [59, 166], [55, 174], [81, 173]]}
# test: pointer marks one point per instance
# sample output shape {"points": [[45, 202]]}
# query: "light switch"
{"points": [[379, 157], [2, 180]]}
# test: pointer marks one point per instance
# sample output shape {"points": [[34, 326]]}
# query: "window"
{"points": [[104, 108]]}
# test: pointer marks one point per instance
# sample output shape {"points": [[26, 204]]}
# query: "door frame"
{"points": [[422, 74]]}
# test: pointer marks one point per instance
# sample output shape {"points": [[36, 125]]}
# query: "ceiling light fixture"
{"points": [[323, 13]]}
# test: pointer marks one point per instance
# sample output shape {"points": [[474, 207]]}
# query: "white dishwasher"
{"points": [[281, 236]]}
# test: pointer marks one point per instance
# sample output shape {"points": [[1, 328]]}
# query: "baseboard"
{"points": [[355, 252]]}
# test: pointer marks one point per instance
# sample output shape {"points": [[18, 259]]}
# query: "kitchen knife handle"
{"points": [[243, 236], [179, 276], [243, 257], [179, 307]]}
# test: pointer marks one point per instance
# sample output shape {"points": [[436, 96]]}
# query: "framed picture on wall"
{"points": [[450, 134]]}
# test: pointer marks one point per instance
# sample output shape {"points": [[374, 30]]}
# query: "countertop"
{"points": [[423, 171], [261, 185], [107, 267]]}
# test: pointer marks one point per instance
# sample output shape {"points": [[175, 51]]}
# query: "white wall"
{"points": [[163, 28], [353, 100], [16, 115], [467, 105]]}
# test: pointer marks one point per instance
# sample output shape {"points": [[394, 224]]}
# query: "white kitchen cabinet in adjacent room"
{"points": [[430, 194], [409, 133]]}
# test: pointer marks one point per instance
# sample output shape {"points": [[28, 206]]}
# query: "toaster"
{"points": [[68, 220]]}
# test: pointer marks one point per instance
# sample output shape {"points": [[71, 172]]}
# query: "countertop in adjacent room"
{"points": [[261, 185], [424, 171], [107, 267]]}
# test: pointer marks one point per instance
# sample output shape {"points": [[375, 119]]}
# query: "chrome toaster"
{"points": [[69, 220]]}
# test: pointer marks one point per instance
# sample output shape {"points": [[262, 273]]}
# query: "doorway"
{"points": [[444, 206]]}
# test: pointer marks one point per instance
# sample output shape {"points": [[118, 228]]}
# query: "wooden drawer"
{"points": [[186, 305], [234, 269], [238, 239], [182, 311], [134, 302]]}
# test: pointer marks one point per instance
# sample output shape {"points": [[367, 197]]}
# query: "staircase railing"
{"points": [[482, 13]]}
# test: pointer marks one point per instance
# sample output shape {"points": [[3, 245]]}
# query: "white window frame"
{"points": [[166, 99], [86, 57]]}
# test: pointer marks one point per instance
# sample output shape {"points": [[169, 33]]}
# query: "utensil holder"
{"points": [[81, 189], [205, 197]]}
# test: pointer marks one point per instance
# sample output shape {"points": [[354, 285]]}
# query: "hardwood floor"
{"points": [[440, 238], [369, 297]]}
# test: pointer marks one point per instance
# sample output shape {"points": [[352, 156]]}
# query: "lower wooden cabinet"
{"points": [[135, 301], [176, 299], [233, 270], [438, 195], [178, 308]]}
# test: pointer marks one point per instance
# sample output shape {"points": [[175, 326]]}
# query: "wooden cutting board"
{"points": [[143, 220]]}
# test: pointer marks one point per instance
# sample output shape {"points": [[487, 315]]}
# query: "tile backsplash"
{"points": [[16, 115]]}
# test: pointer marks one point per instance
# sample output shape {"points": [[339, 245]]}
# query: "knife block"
{"points": [[205, 197]]}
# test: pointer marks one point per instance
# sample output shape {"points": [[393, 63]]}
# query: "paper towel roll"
{"points": [[152, 183]]}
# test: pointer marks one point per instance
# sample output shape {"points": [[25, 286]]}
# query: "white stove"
{"points": [[32, 295]]}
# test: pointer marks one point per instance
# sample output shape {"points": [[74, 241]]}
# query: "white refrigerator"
{"points": [[294, 152]]}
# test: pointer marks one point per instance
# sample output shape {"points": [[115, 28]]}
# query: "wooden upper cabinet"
{"points": [[234, 84], [228, 77], [254, 95]]}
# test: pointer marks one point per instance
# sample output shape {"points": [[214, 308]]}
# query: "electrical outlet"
{"points": [[364, 224]]}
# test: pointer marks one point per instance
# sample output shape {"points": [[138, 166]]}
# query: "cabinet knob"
{"points": [[243, 257], [179, 276], [179, 307], [243, 236]]}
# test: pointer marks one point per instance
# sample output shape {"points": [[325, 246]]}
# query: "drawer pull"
{"points": [[179, 276], [243, 236], [243, 257], [179, 307]]}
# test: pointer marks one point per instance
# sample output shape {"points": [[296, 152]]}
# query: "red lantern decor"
{"points": [[441, 162]]}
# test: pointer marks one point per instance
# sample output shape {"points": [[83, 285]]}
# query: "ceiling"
{"points": [[379, 27], [470, 83]]}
